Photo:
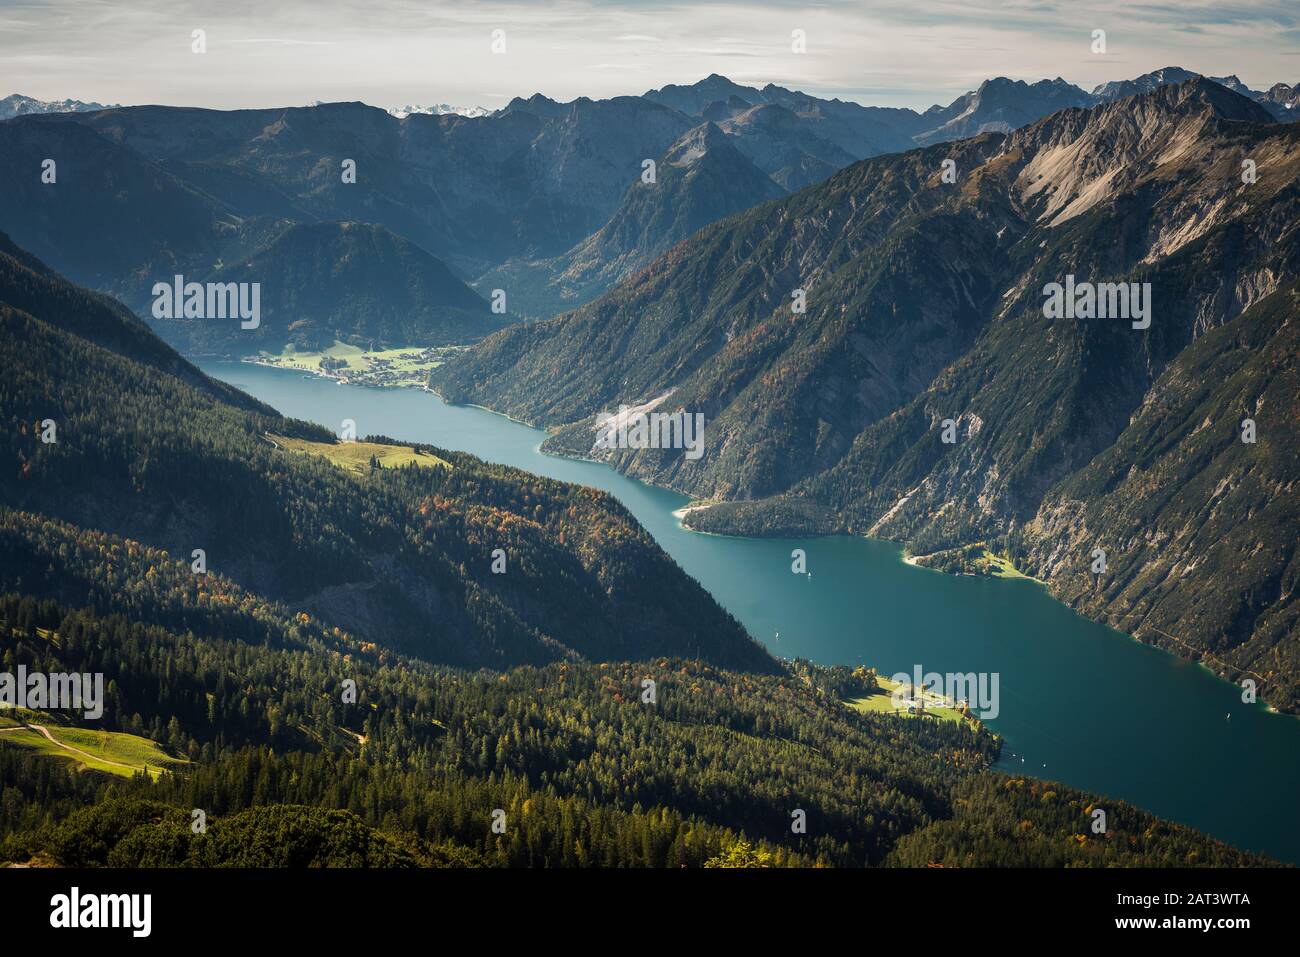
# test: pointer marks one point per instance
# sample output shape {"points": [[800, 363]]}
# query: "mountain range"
{"points": [[797, 140], [438, 109], [542, 200], [925, 317], [18, 105]]}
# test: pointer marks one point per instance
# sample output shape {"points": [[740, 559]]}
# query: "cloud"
{"points": [[288, 43], [891, 52]]}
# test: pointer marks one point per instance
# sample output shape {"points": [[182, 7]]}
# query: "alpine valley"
{"points": [[473, 690], [356, 649]]}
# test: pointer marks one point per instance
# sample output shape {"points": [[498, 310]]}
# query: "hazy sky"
{"points": [[394, 52]]}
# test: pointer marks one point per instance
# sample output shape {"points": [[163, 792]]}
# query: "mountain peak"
{"points": [[15, 104], [695, 143], [1118, 89], [1207, 94], [1083, 158], [538, 104], [1000, 105], [694, 98]]}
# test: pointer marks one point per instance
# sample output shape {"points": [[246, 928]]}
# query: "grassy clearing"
{"points": [[402, 360], [291, 358], [1001, 567], [112, 752], [973, 559], [882, 702], [355, 456], [404, 366]]}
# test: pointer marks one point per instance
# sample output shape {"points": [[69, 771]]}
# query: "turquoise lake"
{"points": [[1079, 702]]}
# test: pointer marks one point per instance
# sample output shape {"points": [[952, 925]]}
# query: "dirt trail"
{"points": [[67, 747]]}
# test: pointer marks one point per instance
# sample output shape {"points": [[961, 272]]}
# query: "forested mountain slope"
{"points": [[714, 320], [581, 770], [406, 554], [32, 287], [354, 282]]}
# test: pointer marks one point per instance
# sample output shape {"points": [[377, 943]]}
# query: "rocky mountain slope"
{"points": [[702, 178], [1000, 106], [925, 316], [1198, 525]]}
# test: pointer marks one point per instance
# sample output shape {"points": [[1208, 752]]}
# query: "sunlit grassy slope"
{"points": [[109, 751], [356, 456]]}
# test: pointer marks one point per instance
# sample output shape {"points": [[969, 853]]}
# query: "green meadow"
{"points": [[112, 752]]}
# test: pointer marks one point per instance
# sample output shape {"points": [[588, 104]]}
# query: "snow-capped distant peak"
{"points": [[18, 105], [438, 109]]}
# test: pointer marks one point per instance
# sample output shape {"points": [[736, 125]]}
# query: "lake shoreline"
{"points": [[856, 609], [914, 561]]}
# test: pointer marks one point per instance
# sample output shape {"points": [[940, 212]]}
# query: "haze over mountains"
{"points": [[540, 199], [925, 306]]}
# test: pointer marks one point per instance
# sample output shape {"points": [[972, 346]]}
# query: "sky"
{"points": [[395, 52]]}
